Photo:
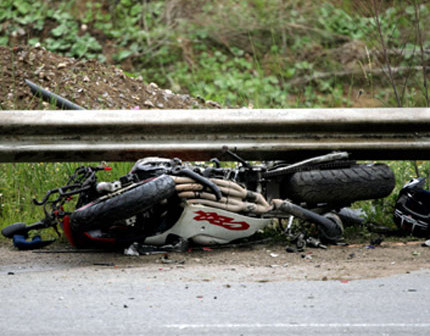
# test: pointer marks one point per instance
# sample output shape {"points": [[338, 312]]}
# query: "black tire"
{"points": [[125, 205], [339, 186]]}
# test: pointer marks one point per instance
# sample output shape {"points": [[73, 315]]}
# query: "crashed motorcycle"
{"points": [[168, 202]]}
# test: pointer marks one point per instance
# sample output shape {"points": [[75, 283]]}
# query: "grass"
{"points": [[21, 182]]}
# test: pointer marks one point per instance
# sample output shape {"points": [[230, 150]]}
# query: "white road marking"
{"points": [[297, 325]]}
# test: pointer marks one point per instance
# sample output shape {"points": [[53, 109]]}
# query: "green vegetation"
{"points": [[380, 212], [261, 53], [21, 182], [272, 54]]}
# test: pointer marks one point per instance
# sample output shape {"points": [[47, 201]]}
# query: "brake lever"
{"points": [[237, 157]]}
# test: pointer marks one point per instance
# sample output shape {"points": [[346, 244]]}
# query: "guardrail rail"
{"points": [[260, 134]]}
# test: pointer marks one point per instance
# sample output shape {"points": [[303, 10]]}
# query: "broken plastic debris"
{"points": [[165, 260], [290, 249], [131, 250]]}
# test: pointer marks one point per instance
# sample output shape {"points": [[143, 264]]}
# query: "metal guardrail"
{"points": [[291, 134]]}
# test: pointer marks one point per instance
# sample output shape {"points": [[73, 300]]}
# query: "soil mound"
{"points": [[87, 83]]}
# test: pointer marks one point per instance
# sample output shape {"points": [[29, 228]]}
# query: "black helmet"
{"points": [[412, 211]]}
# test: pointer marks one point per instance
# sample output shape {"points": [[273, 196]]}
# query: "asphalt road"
{"points": [[104, 300]]}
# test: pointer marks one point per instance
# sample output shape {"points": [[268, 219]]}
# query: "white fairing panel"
{"points": [[207, 225]]}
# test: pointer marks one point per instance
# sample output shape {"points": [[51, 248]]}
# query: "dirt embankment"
{"points": [[87, 83]]}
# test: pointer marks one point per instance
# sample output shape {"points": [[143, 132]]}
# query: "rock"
{"points": [[148, 103], [213, 104]]}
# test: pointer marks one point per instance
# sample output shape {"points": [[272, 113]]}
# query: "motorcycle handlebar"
{"points": [[21, 229]]}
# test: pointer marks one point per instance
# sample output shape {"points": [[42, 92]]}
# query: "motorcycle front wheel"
{"points": [[122, 206]]}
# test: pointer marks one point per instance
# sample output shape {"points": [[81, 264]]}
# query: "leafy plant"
{"points": [[339, 21]]}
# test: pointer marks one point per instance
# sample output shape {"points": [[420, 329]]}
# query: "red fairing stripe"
{"points": [[67, 230], [104, 240], [223, 221], [85, 206]]}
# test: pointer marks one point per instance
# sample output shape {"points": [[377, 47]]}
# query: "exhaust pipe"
{"points": [[330, 230]]}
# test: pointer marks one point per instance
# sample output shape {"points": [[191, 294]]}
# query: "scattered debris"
{"points": [[290, 249], [77, 251], [314, 242], [307, 256], [426, 243], [377, 242], [136, 249], [165, 260], [131, 250], [351, 256], [104, 264], [247, 264]]}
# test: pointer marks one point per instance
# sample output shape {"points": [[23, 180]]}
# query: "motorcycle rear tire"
{"points": [[339, 186], [125, 205]]}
